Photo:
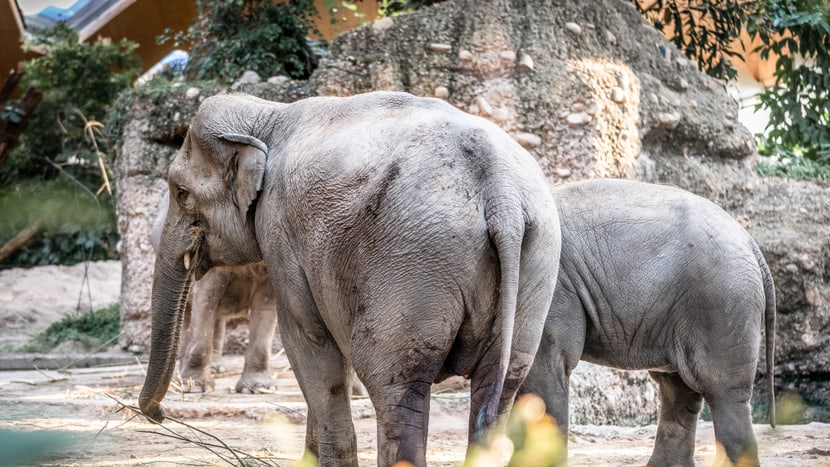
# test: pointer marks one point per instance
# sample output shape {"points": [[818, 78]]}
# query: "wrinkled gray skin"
{"points": [[652, 277], [404, 239], [224, 293]]}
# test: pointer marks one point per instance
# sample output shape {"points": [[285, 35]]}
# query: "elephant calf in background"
{"points": [[224, 293], [653, 277]]}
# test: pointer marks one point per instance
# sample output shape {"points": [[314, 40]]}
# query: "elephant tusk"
{"points": [[187, 260]]}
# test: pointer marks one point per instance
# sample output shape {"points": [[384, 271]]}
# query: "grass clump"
{"points": [[90, 329]]}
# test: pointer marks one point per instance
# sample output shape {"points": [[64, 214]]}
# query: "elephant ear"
{"points": [[247, 169]]}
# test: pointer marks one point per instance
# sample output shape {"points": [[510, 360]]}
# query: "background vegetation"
{"points": [[794, 32], [55, 183], [232, 36]]}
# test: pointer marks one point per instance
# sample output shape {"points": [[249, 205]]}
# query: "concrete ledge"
{"points": [[30, 361]]}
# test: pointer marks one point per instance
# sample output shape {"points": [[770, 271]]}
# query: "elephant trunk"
{"points": [[172, 279]]}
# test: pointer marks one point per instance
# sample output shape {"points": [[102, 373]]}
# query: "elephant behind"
{"points": [[653, 277], [404, 239], [225, 293]]}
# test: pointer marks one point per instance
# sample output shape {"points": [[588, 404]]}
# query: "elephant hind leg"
{"points": [[324, 377], [549, 379], [732, 420], [401, 396], [679, 409], [322, 371]]}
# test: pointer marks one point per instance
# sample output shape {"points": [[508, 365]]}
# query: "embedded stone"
{"points": [[465, 55], [484, 107], [668, 119], [528, 140], [526, 62], [573, 27], [442, 92], [618, 95], [578, 118], [383, 24], [442, 48], [507, 56], [192, 93], [624, 79], [279, 79]]}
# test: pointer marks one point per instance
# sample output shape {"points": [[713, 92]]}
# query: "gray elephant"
{"points": [[224, 293], [405, 239], [653, 277]]}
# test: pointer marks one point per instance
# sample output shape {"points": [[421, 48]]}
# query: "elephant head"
{"points": [[213, 185]]}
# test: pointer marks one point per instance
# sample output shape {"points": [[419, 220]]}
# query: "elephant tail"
{"points": [[769, 329], [506, 228]]}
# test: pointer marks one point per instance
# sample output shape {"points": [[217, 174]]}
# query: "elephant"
{"points": [[224, 293], [405, 239], [653, 277]]}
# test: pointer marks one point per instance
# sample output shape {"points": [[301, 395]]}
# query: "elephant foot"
{"points": [[197, 382], [256, 383]]}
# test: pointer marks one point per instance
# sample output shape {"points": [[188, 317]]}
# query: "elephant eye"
{"points": [[181, 195]]}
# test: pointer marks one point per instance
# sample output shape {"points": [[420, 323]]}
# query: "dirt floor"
{"points": [[79, 414]]}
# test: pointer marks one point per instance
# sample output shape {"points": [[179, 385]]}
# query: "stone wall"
{"points": [[592, 91]]}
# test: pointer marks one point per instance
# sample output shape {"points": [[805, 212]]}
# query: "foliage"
{"points": [[91, 329], [232, 36], [703, 30], [798, 33], [79, 81], [398, 7], [56, 178]]}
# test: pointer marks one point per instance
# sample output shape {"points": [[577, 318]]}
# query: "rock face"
{"points": [[591, 90]]}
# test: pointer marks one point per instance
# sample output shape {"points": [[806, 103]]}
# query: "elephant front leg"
{"points": [[202, 333], [196, 360], [256, 375], [679, 409]]}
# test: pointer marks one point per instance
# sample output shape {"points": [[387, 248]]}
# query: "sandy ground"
{"points": [[79, 414]]}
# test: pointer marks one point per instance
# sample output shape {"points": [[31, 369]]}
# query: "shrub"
{"points": [[94, 328], [232, 36]]}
